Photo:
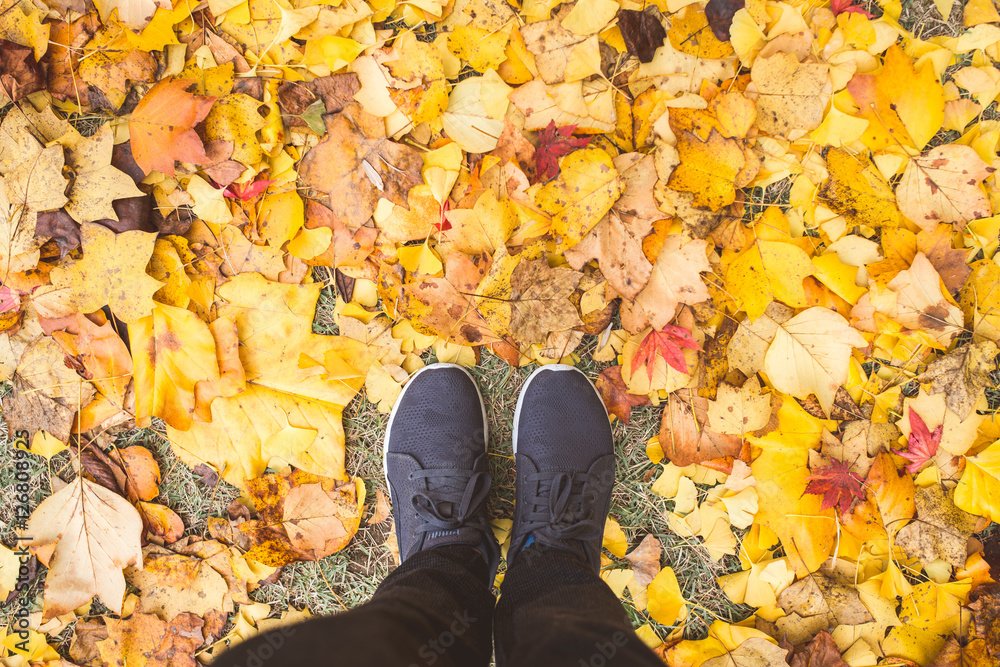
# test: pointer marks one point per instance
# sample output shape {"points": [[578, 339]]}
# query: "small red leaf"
{"points": [[443, 224], [554, 142], [666, 343], [841, 6], [922, 445], [837, 484], [246, 192]]}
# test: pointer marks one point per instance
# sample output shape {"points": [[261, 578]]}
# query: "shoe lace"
{"points": [[452, 500], [560, 510]]}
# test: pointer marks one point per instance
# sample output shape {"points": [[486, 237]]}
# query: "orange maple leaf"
{"points": [[162, 127]]}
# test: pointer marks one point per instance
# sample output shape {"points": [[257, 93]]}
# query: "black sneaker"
{"points": [[435, 464], [565, 457]]}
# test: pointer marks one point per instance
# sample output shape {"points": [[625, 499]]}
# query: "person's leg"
{"points": [[436, 608], [554, 610]]}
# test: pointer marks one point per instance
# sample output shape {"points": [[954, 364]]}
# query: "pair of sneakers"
{"points": [[435, 463]]}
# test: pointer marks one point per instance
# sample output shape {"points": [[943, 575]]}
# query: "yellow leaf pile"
{"points": [[780, 235]]}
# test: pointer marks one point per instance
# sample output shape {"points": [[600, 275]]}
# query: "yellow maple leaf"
{"points": [[111, 273]]}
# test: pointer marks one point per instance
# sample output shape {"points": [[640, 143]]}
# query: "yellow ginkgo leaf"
{"points": [[614, 538], [665, 600], [589, 17]]}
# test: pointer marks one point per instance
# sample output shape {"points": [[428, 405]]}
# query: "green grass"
{"points": [[922, 18]]}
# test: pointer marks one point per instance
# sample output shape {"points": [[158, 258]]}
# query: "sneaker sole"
{"points": [[524, 390], [399, 400]]}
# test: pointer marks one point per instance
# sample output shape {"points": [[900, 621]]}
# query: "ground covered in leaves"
{"points": [[229, 232]]}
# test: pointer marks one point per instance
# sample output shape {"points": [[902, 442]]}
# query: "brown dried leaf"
{"points": [[335, 166], [684, 434], [645, 560], [615, 394]]}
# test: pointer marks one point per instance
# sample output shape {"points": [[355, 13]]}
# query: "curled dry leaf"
{"points": [[645, 560], [685, 436], [382, 509], [615, 394]]}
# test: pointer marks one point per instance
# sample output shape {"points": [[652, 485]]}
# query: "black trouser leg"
{"points": [[434, 609], [554, 611]]}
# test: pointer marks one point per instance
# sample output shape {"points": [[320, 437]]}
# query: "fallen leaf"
{"points": [[822, 651], [540, 301], [684, 433], [361, 136], [838, 485], [738, 411], [977, 490], [47, 393], [584, 191], [96, 535], [667, 345], [165, 117], [962, 375], [792, 97], [147, 641], [688, 35], [915, 301], [645, 560], [382, 509], [941, 530], [666, 602], [754, 652], [675, 279], [642, 32], [922, 443], [20, 73], [135, 14], [943, 186], [841, 6], [560, 55], [769, 271], [97, 184], [615, 394], [858, 191], [720, 15], [810, 354], [553, 144], [301, 517], [111, 273]]}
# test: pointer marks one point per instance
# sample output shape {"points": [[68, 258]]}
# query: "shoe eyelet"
{"points": [[410, 476]]}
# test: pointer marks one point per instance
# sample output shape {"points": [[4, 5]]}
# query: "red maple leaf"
{"points": [[837, 484], [666, 343], [923, 444], [841, 6], [554, 142], [443, 223], [246, 191]]}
